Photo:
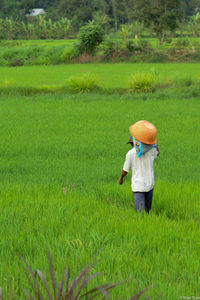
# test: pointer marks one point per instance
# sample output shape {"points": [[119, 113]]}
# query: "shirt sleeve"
{"points": [[127, 164]]}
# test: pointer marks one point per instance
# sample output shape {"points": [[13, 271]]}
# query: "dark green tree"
{"points": [[162, 15], [191, 7], [79, 11]]}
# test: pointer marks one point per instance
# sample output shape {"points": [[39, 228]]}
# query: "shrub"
{"points": [[142, 83], [110, 49], [144, 46], [69, 53], [180, 44], [130, 45], [85, 83], [90, 37], [3, 62], [15, 62]]}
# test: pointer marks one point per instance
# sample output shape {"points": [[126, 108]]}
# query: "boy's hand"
{"points": [[123, 174], [120, 180]]}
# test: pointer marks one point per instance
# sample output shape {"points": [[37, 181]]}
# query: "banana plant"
{"points": [[194, 24], [9, 27], [124, 32], [136, 28]]}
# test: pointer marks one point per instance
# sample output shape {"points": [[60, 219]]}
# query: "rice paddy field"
{"points": [[109, 75], [60, 159]]}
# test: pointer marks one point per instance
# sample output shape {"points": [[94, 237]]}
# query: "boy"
{"points": [[142, 176]]}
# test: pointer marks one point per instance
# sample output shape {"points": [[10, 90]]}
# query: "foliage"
{"points": [[110, 49], [90, 37], [110, 14], [142, 83], [162, 15], [181, 44], [85, 83], [35, 55], [70, 53], [64, 290], [38, 28], [194, 24]]}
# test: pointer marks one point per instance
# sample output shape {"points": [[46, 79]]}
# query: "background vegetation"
{"points": [[62, 18]]}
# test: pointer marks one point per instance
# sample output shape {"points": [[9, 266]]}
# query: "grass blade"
{"points": [[1, 294], [41, 275], [61, 284], [78, 279], [67, 275], [53, 279], [35, 286], [99, 289], [27, 294], [84, 282], [137, 296]]}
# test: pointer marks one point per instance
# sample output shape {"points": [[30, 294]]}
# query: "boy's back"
{"points": [[142, 169]]}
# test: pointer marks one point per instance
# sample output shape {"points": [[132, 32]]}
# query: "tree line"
{"points": [[116, 12], [63, 17]]}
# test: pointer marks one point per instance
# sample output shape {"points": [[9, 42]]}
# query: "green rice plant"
{"points": [[142, 83], [85, 83]]}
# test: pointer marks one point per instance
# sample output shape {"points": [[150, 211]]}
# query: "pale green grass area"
{"points": [[153, 41], [79, 143], [110, 75], [27, 43]]}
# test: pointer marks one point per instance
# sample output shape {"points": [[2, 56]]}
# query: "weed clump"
{"points": [[142, 83], [83, 84]]}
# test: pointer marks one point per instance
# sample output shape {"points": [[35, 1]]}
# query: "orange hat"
{"points": [[144, 132]]}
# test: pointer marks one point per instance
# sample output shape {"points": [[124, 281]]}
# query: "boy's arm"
{"points": [[123, 174], [158, 150]]}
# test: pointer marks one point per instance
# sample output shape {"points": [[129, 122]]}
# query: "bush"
{"points": [[85, 83], [16, 62], [110, 49], [90, 37], [130, 45], [69, 53], [180, 44], [144, 46], [142, 83], [3, 62]]}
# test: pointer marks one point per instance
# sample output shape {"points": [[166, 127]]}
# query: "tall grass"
{"points": [[142, 83], [85, 83]]}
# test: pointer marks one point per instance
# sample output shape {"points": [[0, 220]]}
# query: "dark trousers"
{"points": [[143, 200]]}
